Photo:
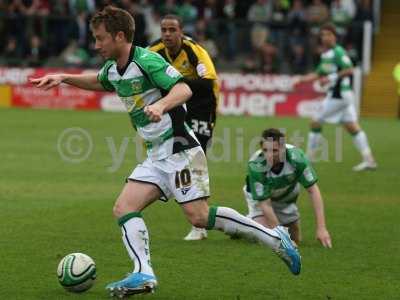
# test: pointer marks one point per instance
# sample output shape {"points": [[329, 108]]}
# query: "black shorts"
{"points": [[202, 123]]}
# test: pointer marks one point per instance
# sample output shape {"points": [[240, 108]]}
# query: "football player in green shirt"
{"points": [[275, 173], [154, 93], [335, 71]]}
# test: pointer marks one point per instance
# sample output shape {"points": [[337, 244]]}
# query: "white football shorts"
{"points": [[183, 175], [335, 111], [285, 212]]}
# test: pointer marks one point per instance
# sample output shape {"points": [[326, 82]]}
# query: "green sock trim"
{"points": [[212, 214], [316, 130], [127, 217]]}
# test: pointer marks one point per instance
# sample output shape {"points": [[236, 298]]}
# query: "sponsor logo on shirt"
{"points": [[308, 175], [201, 70], [172, 72], [259, 188]]}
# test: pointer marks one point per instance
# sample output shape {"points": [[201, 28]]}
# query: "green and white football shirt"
{"points": [[333, 61], [263, 184], [146, 79]]}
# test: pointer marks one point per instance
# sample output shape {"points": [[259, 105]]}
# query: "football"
{"points": [[76, 272]]}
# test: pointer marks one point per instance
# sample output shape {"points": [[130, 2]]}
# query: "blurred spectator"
{"points": [[205, 41], [36, 52], [230, 29], [269, 60], [74, 56], [262, 35], [364, 11], [297, 31], [342, 13], [188, 13], [61, 26], [169, 7], [11, 55], [134, 9], [298, 59], [82, 6], [278, 23], [317, 14], [259, 14], [152, 18]]}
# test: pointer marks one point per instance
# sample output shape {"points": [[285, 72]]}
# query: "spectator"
{"points": [[152, 18], [188, 13], [36, 52], [169, 7], [79, 6], [269, 59], [61, 26], [11, 55], [74, 56], [342, 13], [298, 59], [134, 9], [259, 14], [317, 14], [364, 12], [230, 29]]}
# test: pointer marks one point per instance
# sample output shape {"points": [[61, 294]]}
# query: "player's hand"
{"points": [[324, 237], [154, 112], [47, 82], [296, 80], [324, 81]]}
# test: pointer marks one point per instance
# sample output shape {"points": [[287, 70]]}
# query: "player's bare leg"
{"points": [[294, 231], [361, 143], [134, 197]]}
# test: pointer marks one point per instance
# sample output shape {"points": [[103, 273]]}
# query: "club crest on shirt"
{"points": [[136, 86]]}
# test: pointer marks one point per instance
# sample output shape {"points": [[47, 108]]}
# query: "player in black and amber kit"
{"points": [[194, 63]]}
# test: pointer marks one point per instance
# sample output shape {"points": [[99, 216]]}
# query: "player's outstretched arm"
{"points": [[305, 78], [322, 233], [83, 81], [179, 94]]}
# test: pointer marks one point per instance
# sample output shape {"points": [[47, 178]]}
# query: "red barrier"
{"points": [[241, 94]]}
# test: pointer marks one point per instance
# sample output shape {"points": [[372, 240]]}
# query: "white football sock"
{"points": [[314, 141], [232, 223], [136, 240], [361, 143]]}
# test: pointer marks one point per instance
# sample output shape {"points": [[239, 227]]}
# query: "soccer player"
{"points": [[154, 93], [194, 63], [275, 173], [335, 71]]}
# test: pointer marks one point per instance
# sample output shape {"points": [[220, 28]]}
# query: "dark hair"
{"points": [[115, 20], [329, 27], [273, 134], [173, 17]]}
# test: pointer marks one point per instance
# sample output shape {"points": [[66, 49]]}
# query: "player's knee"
{"points": [[315, 125], [119, 210]]}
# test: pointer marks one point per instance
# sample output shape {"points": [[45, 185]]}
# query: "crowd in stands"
{"points": [[269, 36]]}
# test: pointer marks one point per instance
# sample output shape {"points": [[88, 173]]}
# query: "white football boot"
{"points": [[196, 234], [365, 166]]}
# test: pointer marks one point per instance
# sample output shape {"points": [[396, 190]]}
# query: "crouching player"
{"points": [[275, 173]]}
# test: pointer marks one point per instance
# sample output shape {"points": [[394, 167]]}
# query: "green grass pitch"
{"points": [[50, 207]]}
